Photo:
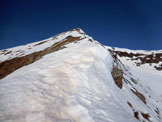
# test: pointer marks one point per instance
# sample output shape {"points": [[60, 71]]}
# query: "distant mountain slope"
{"points": [[142, 77], [73, 78]]}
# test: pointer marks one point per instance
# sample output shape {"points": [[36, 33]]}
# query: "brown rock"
{"points": [[117, 75]]}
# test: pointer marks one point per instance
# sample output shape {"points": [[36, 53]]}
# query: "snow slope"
{"points": [[23, 50], [75, 84], [143, 78]]}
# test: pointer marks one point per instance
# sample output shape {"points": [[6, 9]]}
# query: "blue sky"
{"points": [[133, 24]]}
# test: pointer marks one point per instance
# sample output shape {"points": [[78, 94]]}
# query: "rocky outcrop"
{"points": [[117, 75], [139, 95]]}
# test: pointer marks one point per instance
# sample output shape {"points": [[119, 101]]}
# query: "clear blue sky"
{"points": [[134, 24]]}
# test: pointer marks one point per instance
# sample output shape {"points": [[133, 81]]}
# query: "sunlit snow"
{"points": [[75, 85]]}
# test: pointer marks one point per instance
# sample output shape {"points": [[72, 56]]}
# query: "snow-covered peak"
{"points": [[73, 78], [27, 49]]}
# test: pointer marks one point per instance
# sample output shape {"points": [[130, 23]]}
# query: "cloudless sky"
{"points": [[134, 24]]}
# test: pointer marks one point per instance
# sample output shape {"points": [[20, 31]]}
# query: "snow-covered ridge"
{"points": [[134, 51], [15, 58], [20, 51], [72, 82], [150, 59]]}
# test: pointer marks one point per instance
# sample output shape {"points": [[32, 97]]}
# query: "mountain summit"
{"points": [[73, 78]]}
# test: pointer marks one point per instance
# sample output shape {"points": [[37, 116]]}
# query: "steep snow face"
{"points": [[142, 81], [73, 84]]}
